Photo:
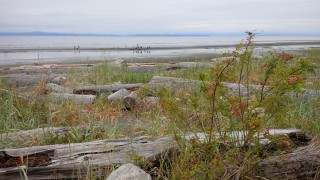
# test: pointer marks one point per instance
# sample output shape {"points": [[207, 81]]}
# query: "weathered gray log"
{"points": [[149, 67], [21, 138], [302, 163], [306, 94], [237, 88], [187, 65], [73, 160], [25, 79], [171, 80], [129, 172], [158, 81], [298, 137], [75, 98], [118, 96], [110, 88], [59, 80], [27, 137], [8, 93]]}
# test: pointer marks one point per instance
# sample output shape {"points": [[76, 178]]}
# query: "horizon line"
{"points": [[42, 33]]}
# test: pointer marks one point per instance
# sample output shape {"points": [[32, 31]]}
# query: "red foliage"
{"points": [[237, 108], [285, 56], [293, 80]]}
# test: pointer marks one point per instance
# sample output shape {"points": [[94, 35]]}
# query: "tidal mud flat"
{"points": [[28, 70], [17, 56]]}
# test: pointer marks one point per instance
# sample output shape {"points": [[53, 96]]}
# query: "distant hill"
{"points": [[40, 33]]}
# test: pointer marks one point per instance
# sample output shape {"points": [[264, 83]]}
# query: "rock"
{"points": [[59, 80], [59, 89], [152, 100], [118, 96], [130, 101], [129, 172], [118, 63]]}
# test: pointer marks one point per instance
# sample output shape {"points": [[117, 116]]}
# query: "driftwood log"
{"points": [[171, 80], [7, 93], [76, 159], [302, 163], [111, 88], [76, 98], [180, 82], [157, 82], [149, 67], [25, 138], [23, 79]]}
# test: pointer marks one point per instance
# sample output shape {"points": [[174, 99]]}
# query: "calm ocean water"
{"points": [[16, 46]]}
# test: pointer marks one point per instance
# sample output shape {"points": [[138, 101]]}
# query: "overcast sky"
{"points": [[160, 16]]}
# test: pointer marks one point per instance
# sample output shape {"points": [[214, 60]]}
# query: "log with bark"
{"points": [[25, 79], [28, 137], [7, 93], [149, 67], [187, 65], [75, 98], [157, 82], [75, 160], [302, 163], [110, 88]]}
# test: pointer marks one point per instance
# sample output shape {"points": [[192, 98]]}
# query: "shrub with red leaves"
{"points": [[237, 108], [285, 56], [293, 80]]}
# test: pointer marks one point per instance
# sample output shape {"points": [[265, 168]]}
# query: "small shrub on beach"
{"points": [[247, 110]]}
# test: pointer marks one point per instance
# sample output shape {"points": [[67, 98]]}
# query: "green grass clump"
{"points": [[105, 73]]}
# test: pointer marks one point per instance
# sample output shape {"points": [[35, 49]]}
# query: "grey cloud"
{"points": [[165, 16]]}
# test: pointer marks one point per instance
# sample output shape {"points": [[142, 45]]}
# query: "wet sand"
{"points": [[22, 56]]}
